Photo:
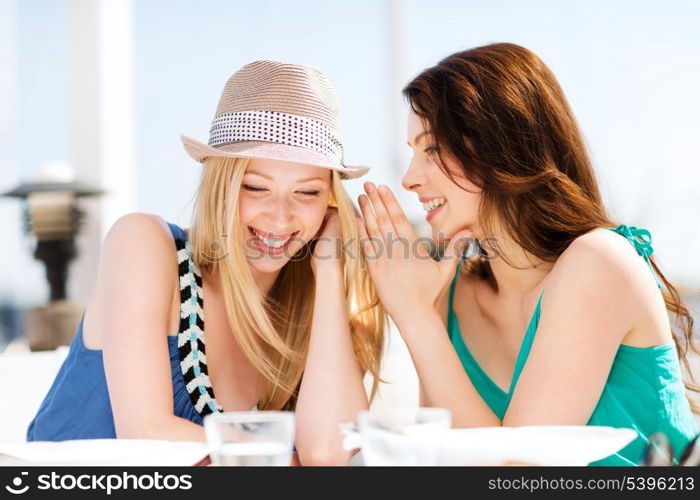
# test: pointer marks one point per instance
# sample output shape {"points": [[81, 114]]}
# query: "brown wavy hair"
{"points": [[499, 112]]}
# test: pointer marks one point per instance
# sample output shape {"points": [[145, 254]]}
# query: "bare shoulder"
{"points": [[603, 264], [139, 229], [603, 251], [137, 265], [140, 245]]}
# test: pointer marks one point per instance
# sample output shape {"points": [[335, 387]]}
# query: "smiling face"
{"points": [[281, 208], [450, 207]]}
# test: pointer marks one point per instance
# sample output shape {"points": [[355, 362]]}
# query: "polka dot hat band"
{"points": [[278, 111]]}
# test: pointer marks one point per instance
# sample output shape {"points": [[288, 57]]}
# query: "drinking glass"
{"points": [[407, 436], [257, 438]]}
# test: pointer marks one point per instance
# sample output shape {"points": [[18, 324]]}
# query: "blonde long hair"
{"points": [[273, 332]]}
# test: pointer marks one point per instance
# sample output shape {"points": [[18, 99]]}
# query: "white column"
{"points": [[101, 124], [116, 99], [15, 260], [85, 140], [8, 95]]}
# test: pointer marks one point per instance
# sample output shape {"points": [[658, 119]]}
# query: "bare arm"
{"points": [[136, 278], [586, 314], [570, 358], [410, 286], [332, 389], [600, 288], [443, 381], [442, 306]]}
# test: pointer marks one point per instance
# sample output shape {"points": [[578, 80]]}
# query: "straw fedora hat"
{"points": [[279, 111]]}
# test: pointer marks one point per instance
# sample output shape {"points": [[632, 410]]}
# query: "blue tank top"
{"points": [[77, 405]]}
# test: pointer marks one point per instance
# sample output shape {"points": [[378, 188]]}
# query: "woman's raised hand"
{"points": [[327, 248], [407, 279]]}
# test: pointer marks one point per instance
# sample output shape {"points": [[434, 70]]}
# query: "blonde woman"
{"points": [[291, 321]]}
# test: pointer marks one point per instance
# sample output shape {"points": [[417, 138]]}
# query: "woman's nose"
{"points": [[280, 214], [414, 177]]}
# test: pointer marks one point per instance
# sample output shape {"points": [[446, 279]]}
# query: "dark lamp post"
{"points": [[52, 215]]}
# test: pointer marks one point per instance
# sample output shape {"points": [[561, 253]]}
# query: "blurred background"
{"points": [[105, 87]]}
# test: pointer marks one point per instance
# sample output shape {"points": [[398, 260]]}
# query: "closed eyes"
{"points": [[257, 189]]}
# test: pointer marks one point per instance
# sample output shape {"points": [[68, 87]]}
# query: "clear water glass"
{"points": [[407, 436], [250, 438]]}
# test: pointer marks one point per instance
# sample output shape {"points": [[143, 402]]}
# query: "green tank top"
{"points": [[644, 390]]}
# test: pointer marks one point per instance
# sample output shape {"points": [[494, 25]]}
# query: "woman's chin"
{"points": [[267, 264], [444, 233]]}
